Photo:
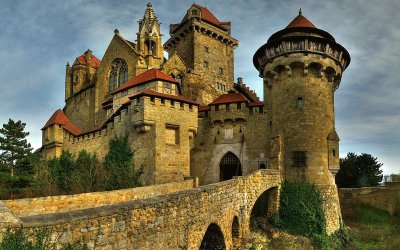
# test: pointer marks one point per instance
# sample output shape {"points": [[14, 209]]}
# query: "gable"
{"points": [[175, 65]]}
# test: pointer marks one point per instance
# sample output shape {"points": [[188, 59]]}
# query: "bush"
{"points": [[301, 209], [119, 163]]}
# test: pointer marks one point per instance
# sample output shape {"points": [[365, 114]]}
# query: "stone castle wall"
{"points": [[230, 130], [146, 122], [385, 198]]}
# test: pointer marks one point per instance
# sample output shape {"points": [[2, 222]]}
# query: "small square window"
{"points": [[239, 105], [300, 102], [227, 107], [216, 107], [299, 159]]}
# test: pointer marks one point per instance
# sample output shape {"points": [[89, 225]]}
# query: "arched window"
{"points": [[178, 78], [118, 74]]}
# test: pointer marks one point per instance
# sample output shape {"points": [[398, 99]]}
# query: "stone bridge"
{"points": [[215, 216]]}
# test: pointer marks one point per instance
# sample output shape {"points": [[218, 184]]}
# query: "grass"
{"points": [[371, 228]]}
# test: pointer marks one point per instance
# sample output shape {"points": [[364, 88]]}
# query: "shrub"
{"points": [[301, 209]]}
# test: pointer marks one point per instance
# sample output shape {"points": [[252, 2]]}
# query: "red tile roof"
{"points": [[60, 118], [204, 108], [206, 16], [94, 62], [150, 92], [229, 98], [255, 104], [300, 22], [150, 75]]}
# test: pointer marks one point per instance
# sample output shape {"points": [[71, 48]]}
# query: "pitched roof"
{"points": [[150, 92], [150, 75], [204, 108], [206, 16], [255, 104], [94, 61], [229, 98], [60, 118], [300, 22]]}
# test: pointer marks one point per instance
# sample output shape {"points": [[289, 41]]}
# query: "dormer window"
{"points": [[118, 74]]}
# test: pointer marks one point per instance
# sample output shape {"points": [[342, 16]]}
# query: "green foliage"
{"points": [[62, 171], [359, 171], [119, 163], [14, 148], [89, 174], [371, 228], [301, 209], [17, 239]]}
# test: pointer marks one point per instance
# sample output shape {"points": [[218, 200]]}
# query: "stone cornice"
{"points": [[203, 27]]}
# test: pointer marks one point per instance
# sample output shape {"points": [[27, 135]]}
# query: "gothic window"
{"points": [[206, 49], [205, 64], [118, 74], [221, 71]]}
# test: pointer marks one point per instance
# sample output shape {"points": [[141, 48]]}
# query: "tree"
{"points": [[359, 171], [62, 169], [14, 147], [89, 174], [119, 164]]}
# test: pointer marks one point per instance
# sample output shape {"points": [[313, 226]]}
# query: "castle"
{"points": [[185, 116]]}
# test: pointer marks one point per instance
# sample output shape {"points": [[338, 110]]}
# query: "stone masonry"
{"points": [[185, 116]]}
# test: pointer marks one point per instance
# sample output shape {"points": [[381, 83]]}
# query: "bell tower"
{"points": [[149, 39], [302, 66]]}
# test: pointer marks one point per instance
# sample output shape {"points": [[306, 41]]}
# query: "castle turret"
{"points": [[302, 67]]}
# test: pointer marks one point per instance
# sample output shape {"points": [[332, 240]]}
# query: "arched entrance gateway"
{"points": [[229, 166], [213, 238]]}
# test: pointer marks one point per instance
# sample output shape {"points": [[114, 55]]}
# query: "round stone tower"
{"points": [[302, 67]]}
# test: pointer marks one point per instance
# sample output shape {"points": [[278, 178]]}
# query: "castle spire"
{"points": [[149, 38]]}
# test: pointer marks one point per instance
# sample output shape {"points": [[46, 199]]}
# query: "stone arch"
{"points": [[264, 206], [314, 69], [330, 73], [229, 166], [177, 75], [213, 238], [297, 68], [236, 234]]}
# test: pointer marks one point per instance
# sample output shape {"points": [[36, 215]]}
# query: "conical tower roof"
{"points": [[300, 21]]}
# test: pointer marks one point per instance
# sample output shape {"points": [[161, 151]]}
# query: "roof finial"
{"points": [[300, 13], [149, 4]]}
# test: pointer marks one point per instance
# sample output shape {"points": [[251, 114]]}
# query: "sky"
{"points": [[38, 37]]}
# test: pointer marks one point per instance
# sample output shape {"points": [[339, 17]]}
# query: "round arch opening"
{"points": [[229, 166], [213, 238], [264, 207]]}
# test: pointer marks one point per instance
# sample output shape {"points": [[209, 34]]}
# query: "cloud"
{"points": [[38, 38]]}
